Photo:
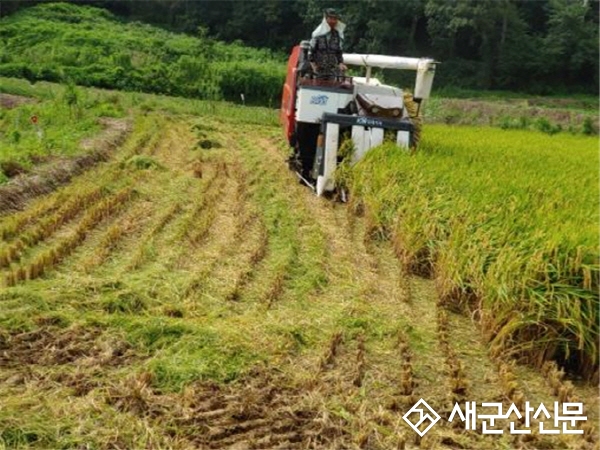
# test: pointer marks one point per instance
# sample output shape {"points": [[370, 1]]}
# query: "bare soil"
{"points": [[47, 177], [9, 101]]}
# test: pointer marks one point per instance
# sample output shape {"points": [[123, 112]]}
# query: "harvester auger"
{"points": [[319, 114]]}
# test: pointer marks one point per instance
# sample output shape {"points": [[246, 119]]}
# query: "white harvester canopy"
{"points": [[425, 68]]}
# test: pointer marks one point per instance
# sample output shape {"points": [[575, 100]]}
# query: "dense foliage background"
{"points": [[542, 46], [91, 47]]}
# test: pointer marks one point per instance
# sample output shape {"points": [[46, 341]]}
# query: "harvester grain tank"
{"points": [[319, 114]]}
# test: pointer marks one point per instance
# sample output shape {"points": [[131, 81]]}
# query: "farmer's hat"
{"points": [[324, 27], [330, 12]]}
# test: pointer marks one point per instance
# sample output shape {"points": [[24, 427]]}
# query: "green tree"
{"points": [[571, 43]]}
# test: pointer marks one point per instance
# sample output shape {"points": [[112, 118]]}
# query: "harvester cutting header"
{"points": [[320, 112]]}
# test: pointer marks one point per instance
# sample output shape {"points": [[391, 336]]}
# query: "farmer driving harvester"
{"points": [[325, 53], [319, 117]]}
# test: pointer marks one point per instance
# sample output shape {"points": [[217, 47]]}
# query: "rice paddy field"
{"points": [[508, 225], [184, 291]]}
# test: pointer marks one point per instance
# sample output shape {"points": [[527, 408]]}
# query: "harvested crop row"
{"points": [[55, 255], [407, 383], [244, 246], [328, 358], [109, 241], [564, 390], [255, 257], [204, 202], [222, 227], [46, 227], [146, 135], [360, 362], [290, 226], [242, 194], [19, 222], [458, 382], [203, 224], [146, 240]]}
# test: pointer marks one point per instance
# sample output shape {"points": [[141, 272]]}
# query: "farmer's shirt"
{"points": [[326, 52]]}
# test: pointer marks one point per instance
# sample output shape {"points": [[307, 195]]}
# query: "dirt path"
{"points": [[9, 101], [47, 177], [210, 301]]}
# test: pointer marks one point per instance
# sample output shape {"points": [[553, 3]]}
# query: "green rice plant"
{"points": [[507, 221]]}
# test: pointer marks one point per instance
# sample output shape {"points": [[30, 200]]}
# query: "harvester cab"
{"points": [[318, 115]]}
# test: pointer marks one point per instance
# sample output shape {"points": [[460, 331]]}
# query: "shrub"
{"points": [[589, 127], [542, 124], [55, 42]]}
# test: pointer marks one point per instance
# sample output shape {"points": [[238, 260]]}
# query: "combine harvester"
{"points": [[318, 115]]}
